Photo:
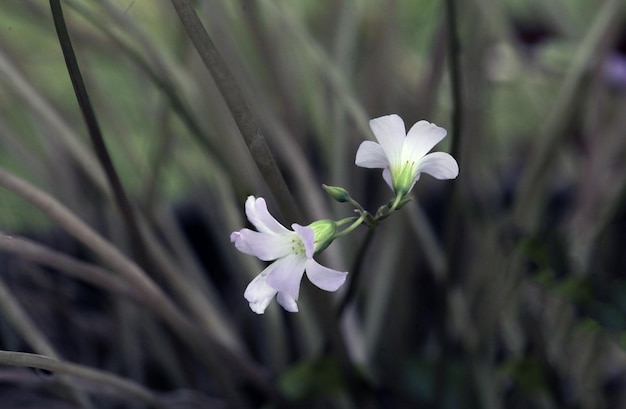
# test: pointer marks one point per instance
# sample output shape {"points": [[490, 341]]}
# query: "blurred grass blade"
{"points": [[80, 270], [21, 321], [209, 349], [320, 59], [49, 116], [158, 68], [124, 387], [604, 25], [94, 131], [239, 108], [202, 307], [455, 74]]}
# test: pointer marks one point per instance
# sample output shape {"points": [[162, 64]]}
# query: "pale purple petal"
{"points": [[287, 302], [422, 137], [260, 217], [387, 177], [307, 235], [259, 294], [265, 246], [285, 274], [390, 132], [324, 277], [235, 237], [440, 165], [371, 155]]}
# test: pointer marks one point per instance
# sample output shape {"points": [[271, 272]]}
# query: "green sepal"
{"points": [[324, 232]]}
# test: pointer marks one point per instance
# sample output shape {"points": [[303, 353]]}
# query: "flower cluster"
{"points": [[403, 158]]}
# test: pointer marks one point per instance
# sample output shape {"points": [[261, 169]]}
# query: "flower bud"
{"points": [[324, 233], [338, 193]]}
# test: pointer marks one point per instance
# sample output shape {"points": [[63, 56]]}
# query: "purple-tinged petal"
{"points": [[265, 246], [371, 155], [387, 177], [324, 277], [241, 245], [440, 165], [390, 132], [307, 235], [422, 137], [287, 302], [259, 294], [285, 274], [260, 217]]}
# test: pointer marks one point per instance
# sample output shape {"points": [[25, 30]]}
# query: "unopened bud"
{"points": [[338, 193]]}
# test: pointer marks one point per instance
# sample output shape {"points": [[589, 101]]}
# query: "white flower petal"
{"points": [[371, 155], [387, 177], [259, 294], [265, 246], [307, 235], [440, 165], [287, 302], [241, 245], [324, 277], [422, 137], [285, 274], [390, 132], [257, 213]]}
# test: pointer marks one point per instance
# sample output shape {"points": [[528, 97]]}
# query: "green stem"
{"points": [[357, 205], [346, 220], [394, 205], [353, 226]]}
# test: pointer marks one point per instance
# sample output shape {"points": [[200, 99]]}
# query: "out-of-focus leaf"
{"points": [[528, 372], [314, 377]]}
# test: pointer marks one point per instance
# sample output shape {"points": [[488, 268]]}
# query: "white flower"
{"points": [[293, 252], [405, 156]]}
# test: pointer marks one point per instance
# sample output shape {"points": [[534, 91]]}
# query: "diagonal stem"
{"points": [[242, 114], [94, 129]]}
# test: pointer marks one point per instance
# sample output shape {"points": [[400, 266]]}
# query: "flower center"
{"points": [[297, 246]]}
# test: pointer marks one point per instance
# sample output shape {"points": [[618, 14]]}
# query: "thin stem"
{"points": [[353, 226], [357, 205], [95, 134], [355, 271], [395, 203], [346, 220]]}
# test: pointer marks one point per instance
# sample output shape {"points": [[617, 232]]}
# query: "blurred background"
{"points": [[501, 289]]}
